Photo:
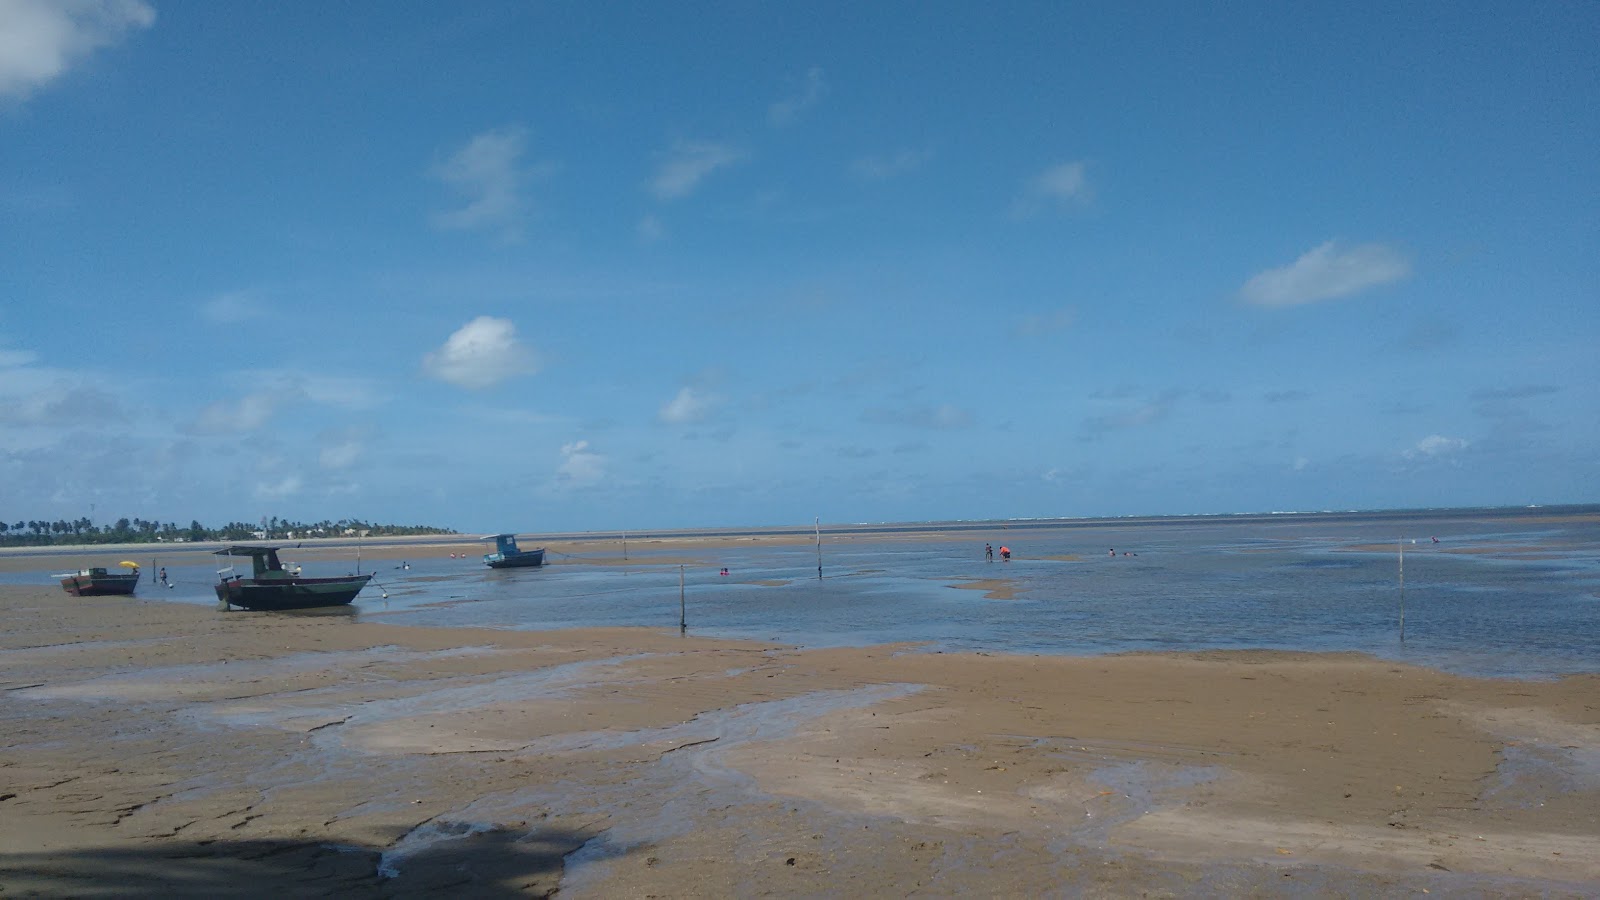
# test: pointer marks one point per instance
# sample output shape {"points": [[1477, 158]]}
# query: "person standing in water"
{"points": [[988, 552]]}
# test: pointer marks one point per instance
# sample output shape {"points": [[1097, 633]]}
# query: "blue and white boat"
{"points": [[507, 555]]}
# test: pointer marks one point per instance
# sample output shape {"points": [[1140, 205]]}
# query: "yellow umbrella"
{"points": [[131, 565]]}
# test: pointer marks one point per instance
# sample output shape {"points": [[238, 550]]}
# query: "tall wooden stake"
{"points": [[819, 548], [1402, 590], [624, 546], [683, 616]]}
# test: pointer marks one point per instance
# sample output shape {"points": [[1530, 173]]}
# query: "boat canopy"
{"points": [[504, 543], [263, 559]]}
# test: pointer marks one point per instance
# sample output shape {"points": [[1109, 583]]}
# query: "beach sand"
{"points": [[164, 749]]}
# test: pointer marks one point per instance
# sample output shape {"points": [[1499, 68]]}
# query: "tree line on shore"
{"points": [[140, 531]]}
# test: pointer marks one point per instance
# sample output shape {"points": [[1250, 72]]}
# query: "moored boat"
{"points": [[271, 586], [508, 556], [98, 582]]}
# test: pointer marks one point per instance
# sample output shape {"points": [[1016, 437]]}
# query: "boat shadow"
{"points": [[343, 611], [492, 864]]}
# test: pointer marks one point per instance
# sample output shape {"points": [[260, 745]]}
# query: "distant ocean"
{"points": [[1492, 592]]}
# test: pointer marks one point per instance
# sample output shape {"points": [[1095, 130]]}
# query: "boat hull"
{"points": [[290, 593], [100, 585], [527, 559]]}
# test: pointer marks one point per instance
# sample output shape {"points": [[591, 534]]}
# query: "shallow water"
{"points": [[1499, 594]]}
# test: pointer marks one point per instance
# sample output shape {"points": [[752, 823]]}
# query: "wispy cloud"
{"points": [[489, 175], [480, 354], [687, 164], [805, 95], [41, 39], [881, 168], [689, 406], [15, 358], [1325, 273], [231, 308], [293, 385], [1061, 186], [1507, 409], [1134, 415], [1519, 392], [945, 416], [1040, 324], [248, 413], [282, 489], [341, 447], [57, 403], [1427, 335], [651, 230]]}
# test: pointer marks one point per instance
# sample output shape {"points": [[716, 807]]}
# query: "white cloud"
{"points": [[248, 413], [688, 407], [13, 358], [1435, 446], [489, 175], [40, 39], [1327, 272], [481, 353], [1060, 186], [687, 163], [787, 111], [231, 308], [580, 465], [879, 168]]}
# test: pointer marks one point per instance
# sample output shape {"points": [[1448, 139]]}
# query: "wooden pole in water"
{"points": [[819, 547], [683, 617], [1402, 590], [624, 546]]}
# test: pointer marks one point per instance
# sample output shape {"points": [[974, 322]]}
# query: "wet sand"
{"points": [[151, 748], [993, 588]]}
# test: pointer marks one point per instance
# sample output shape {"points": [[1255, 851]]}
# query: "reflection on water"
{"points": [[1495, 595]]}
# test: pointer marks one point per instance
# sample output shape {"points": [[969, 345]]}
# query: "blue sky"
{"points": [[549, 266]]}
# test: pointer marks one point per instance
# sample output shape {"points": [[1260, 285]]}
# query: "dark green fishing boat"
{"points": [[98, 582], [271, 586]]}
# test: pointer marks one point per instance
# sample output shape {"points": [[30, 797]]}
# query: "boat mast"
{"points": [[818, 524]]}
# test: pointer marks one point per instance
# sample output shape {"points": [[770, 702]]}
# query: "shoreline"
{"points": [[386, 547], [157, 745]]}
